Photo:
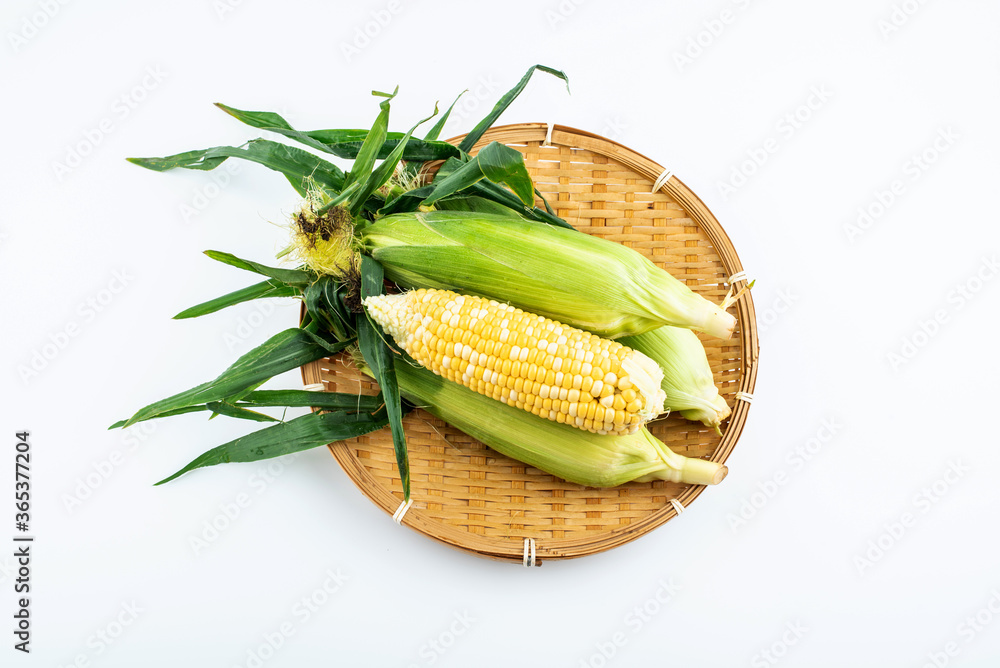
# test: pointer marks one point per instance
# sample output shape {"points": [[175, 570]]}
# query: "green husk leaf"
{"points": [[493, 192], [378, 356], [491, 118], [347, 144], [487, 190], [496, 162], [293, 277], [435, 131], [407, 202], [365, 160], [548, 207], [234, 411], [177, 411], [334, 294], [302, 433], [382, 173], [301, 168], [343, 143], [332, 401], [284, 351], [315, 298], [269, 288]]}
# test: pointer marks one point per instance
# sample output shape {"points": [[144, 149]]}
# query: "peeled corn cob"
{"points": [[577, 456], [524, 360], [687, 376], [573, 278]]}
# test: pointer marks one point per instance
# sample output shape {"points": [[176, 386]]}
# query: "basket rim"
{"points": [[565, 548]]}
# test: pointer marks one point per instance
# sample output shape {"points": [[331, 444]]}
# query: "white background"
{"points": [[846, 315]]}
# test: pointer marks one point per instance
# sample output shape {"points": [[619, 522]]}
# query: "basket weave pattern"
{"points": [[473, 498]]}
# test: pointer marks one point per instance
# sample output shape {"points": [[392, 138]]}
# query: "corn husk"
{"points": [[571, 454], [573, 278], [687, 376]]}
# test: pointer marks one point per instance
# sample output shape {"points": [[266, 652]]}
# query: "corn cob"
{"points": [[687, 376], [577, 456], [524, 360], [573, 278]]}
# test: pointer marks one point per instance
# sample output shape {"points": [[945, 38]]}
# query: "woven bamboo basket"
{"points": [[474, 499]]}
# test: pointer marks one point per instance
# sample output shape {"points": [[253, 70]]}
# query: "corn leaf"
{"points": [[344, 143], [177, 411], [300, 167], [230, 410], [302, 433], [368, 153], [331, 401], [407, 202], [266, 120], [491, 118], [435, 131], [473, 203], [334, 294], [496, 162], [315, 298], [269, 288], [334, 401], [493, 192], [293, 277], [284, 351], [375, 349], [382, 173]]}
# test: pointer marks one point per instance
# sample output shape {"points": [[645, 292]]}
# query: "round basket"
{"points": [[474, 499]]}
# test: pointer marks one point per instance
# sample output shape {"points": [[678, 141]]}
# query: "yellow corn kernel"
{"points": [[524, 360]]}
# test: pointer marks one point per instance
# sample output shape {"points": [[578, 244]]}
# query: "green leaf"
{"points": [[548, 207], [491, 118], [302, 433], [315, 298], [284, 351], [266, 120], [334, 294], [496, 162], [368, 153], [375, 349], [344, 143], [295, 277], [178, 411], [340, 401], [233, 411], [439, 126], [493, 192], [333, 401], [408, 201], [381, 174], [300, 167], [474, 203], [268, 288]]}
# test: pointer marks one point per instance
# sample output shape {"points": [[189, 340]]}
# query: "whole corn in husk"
{"points": [[574, 278], [571, 454], [687, 376], [524, 360]]}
